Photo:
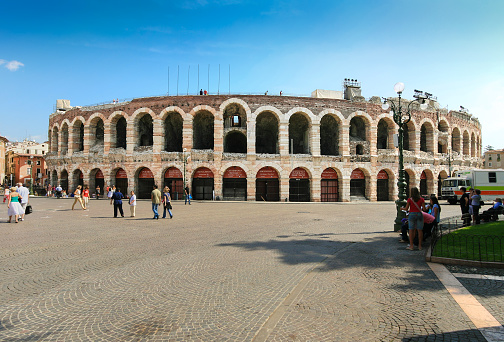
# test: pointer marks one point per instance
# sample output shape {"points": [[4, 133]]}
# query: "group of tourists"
{"points": [[17, 198], [422, 218]]}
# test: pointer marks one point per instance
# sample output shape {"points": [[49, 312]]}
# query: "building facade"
{"points": [[494, 159], [3, 143], [25, 163], [264, 148]]}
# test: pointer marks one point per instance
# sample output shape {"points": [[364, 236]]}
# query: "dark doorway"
{"points": [[298, 134], [145, 131], [358, 187], [173, 133], [329, 186], [234, 189], [145, 183], [202, 188], [267, 189], [382, 186], [299, 190]]}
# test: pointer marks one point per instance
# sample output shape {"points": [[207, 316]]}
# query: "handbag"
{"points": [[190, 197], [28, 209]]}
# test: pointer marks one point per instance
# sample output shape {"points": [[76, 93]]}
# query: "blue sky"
{"points": [[95, 51]]}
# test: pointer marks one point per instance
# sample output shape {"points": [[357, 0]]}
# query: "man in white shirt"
{"points": [[25, 194]]}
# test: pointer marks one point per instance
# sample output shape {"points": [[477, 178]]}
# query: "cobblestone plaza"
{"points": [[225, 271]]}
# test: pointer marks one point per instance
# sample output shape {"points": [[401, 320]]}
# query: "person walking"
{"points": [[97, 192], [77, 196], [187, 195], [85, 196], [116, 199], [110, 192], [415, 205], [167, 202], [156, 200], [14, 207], [24, 195], [6, 194], [132, 203]]}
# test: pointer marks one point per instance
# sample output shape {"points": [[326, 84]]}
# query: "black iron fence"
{"points": [[448, 242]]}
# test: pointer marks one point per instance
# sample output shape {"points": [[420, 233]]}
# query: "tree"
{"points": [[489, 148]]}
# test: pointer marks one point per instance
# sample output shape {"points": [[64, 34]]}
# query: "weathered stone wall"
{"points": [[106, 157]]}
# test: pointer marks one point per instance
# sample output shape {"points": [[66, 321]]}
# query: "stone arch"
{"points": [[427, 136], [64, 137], [473, 145], [308, 114], [466, 143], [330, 127], [426, 182], [267, 132], [235, 113], [54, 139], [274, 111], [410, 179], [384, 134], [443, 126], [299, 133], [360, 183], [385, 185], [173, 124], [96, 125], [118, 129], [144, 129], [78, 134], [203, 130], [359, 133], [456, 140]]}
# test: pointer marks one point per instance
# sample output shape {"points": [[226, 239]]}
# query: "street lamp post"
{"points": [[185, 162], [401, 118], [31, 175]]}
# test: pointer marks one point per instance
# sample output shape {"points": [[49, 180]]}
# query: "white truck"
{"points": [[490, 182]]}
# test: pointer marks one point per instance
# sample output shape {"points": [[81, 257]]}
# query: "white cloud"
{"points": [[12, 65]]}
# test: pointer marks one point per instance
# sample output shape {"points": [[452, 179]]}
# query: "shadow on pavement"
{"points": [[460, 335]]}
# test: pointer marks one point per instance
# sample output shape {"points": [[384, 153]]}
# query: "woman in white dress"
{"points": [[14, 206]]}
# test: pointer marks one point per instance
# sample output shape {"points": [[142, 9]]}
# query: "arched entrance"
{"points": [[203, 184], [145, 183], [121, 182], [329, 186], [99, 180], [299, 185], [234, 184], [173, 180], [64, 180], [267, 185], [423, 184], [382, 186], [358, 184], [54, 178], [77, 179]]}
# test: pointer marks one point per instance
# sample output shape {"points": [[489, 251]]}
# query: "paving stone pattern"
{"points": [[220, 272]]}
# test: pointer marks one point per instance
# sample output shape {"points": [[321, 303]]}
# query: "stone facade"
{"points": [[190, 134]]}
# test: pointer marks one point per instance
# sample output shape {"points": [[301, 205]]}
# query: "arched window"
{"points": [[329, 136], [267, 133], [173, 132], [121, 133], [203, 131], [298, 134], [145, 131], [382, 135]]}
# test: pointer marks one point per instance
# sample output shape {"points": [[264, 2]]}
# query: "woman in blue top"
{"points": [[167, 202], [435, 209], [475, 205]]}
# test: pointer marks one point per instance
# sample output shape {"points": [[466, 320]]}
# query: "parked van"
{"points": [[490, 182]]}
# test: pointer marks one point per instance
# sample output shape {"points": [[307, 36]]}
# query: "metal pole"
{"points": [[401, 182]]}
